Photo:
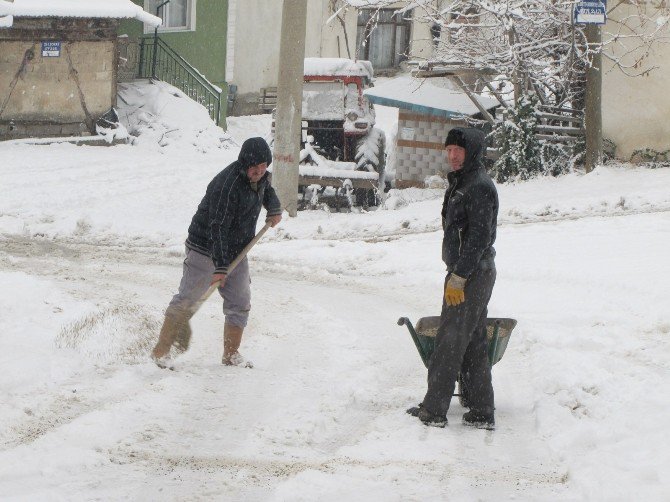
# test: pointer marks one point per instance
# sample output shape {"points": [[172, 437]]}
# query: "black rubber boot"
{"points": [[479, 420], [414, 410], [431, 420]]}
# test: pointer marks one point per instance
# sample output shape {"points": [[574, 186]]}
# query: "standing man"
{"points": [[469, 219], [223, 225]]}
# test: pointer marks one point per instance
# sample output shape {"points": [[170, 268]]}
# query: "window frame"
{"points": [[398, 20], [190, 18]]}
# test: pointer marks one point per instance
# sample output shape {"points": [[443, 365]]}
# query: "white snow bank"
{"points": [[158, 114]]}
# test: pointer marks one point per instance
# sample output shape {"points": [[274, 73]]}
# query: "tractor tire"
{"points": [[366, 197], [371, 157]]}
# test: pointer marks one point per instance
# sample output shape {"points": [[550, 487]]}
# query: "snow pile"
{"points": [[320, 166], [118, 9], [120, 333], [370, 151], [338, 67], [156, 113]]}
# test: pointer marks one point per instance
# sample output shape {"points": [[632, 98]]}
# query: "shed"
{"points": [[58, 64], [426, 114]]}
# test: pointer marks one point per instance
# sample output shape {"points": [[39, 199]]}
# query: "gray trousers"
{"points": [[460, 346], [196, 279]]}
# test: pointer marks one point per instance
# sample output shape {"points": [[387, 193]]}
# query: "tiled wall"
{"points": [[420, 147]]}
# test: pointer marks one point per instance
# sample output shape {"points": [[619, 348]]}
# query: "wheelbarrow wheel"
{"points": [[463, 394]]}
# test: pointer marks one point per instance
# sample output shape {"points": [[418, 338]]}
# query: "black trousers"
{"points": [[461, 347]]}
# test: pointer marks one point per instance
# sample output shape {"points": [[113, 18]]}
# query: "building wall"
{"points": [[636, 109], [421, 45], [333, 42], [56, 96], [420, 148], [257, 45], [205, 47]]}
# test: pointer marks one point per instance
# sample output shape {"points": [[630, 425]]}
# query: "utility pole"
{"points": [[288, 120], [593, 120]]}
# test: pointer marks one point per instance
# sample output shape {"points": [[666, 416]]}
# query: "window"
{"points": [[383, 37], [177, 15]]}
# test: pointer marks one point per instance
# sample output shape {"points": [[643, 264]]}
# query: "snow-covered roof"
{"points": [[118, 9], [338, 66], [422, 96]]}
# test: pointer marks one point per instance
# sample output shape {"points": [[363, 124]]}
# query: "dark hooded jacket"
{"points": [[470, 211], [225, 221]]}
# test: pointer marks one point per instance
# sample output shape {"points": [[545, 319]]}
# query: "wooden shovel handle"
{"points": [[236, 262]]}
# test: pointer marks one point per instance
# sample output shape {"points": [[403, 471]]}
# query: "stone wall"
{"points": [[420, 148], [60, 95], [129, 59]]}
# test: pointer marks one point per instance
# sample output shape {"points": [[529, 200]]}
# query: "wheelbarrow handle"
{"points": [[425, 357]]}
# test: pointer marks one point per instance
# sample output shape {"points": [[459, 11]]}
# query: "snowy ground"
{"points": [[91, 242]]}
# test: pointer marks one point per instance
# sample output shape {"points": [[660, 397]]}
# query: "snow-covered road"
{"points": [[322, 413]]}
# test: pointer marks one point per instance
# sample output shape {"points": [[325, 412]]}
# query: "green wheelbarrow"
{"points": [[498, 332]]}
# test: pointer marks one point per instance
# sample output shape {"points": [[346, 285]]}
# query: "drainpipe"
{"points": [[230, 41]]}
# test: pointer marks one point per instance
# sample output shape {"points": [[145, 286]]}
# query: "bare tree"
{"points": [[535, 44]]}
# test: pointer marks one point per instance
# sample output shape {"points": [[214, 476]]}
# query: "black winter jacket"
{"points": [[470, 211], [225, 221]]}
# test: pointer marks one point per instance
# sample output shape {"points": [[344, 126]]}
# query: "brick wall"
{"points": [[420, 147]]}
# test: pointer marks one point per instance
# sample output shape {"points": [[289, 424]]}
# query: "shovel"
{"points": [[184, 338]]}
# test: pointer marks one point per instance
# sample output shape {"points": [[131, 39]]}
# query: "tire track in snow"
{"points": [[63, 406]]}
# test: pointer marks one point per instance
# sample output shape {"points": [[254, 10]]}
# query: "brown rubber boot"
{"points": [[232, 337], [173, 324], [183, 340]]}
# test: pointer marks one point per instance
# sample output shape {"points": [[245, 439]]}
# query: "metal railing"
{"points": [[159, 61]]}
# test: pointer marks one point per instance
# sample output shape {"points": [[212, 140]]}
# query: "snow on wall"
{"points": [[338, 66], [408, 92], [119, 9]]}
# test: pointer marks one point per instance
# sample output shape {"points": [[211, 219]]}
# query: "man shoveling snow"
{"points": [[222, 227]]}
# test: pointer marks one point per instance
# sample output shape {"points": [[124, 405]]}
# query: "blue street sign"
{"points": [[591, 12], [50, 49]]}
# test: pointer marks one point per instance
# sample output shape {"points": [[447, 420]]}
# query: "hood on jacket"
{"points": [[474, 142], [254, 151]]}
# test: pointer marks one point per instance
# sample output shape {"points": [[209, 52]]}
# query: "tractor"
{"points": [[340, 149]]}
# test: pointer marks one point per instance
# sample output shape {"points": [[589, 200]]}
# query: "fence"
{"points": [[158, 60]]}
